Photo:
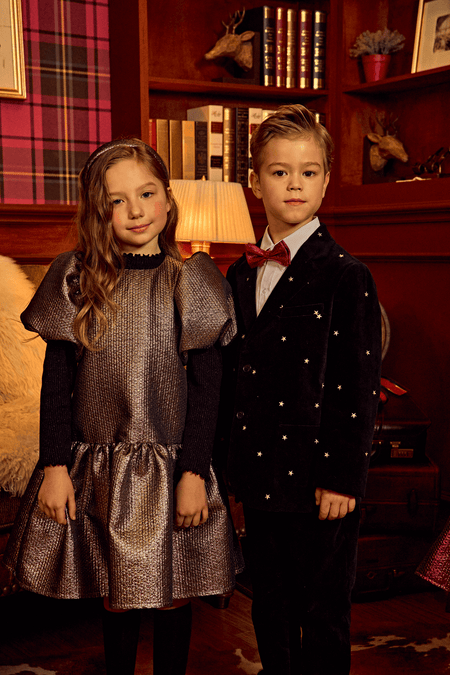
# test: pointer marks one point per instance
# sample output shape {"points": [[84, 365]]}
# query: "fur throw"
{"points": [[21, 359]]}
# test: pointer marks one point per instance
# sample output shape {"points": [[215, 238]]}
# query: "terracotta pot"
{"points": [[375, 66]]}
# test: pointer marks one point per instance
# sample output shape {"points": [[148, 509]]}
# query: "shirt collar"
{"points": [[293, 241]]}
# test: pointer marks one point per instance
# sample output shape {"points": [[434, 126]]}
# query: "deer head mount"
{"points": [[237, 47], [385, 145]]}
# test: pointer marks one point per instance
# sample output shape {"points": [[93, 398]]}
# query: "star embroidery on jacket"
{"points": [[306, 360], [259, 453], [281, 306], [316, 311], [339, 387], [353, 415], [366, 294], [267, 496], [368, 352], [316, 440], [320, 234], [323, 384], [244, 428], [366, 453], [253, 372], [283, 339], [341, 255], [284, 438], [291, 278], [336, 332], [374, 392], [281, 404], [327, 454], [316, 405], [319, 316], [290, 473]]}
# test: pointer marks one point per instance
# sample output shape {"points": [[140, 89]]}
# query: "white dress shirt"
{"points": [[270, 272]]}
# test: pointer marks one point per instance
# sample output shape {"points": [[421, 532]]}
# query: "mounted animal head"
{"points": [[236, 47], [385, 146]]}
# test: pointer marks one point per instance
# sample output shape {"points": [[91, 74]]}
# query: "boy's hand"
{"points": [[333, 505], [191, 506], [56, 493]]}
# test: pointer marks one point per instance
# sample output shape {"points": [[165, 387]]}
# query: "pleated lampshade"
{"points": [[211, 211]]}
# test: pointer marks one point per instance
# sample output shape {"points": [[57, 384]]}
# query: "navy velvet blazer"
{"points": [[302, 379]]}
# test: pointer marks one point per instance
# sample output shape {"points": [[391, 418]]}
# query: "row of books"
{"points": [[292, 45], [213, 143]]}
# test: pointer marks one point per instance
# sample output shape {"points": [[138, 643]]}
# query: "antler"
{"points": [[234, 17]]}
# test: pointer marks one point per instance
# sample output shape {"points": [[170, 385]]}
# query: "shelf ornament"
{"points": [[384, 145], [375, 50], [236, 47]]}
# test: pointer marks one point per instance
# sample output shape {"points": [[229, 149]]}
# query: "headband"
{"points": [[127, 144]]}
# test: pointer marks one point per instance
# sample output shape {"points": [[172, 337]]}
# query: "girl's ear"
{"points": [[256, 188]]}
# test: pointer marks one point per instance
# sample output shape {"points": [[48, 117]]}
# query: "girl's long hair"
{"points": [[102, 259]]}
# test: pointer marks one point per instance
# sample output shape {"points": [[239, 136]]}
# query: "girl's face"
{"points": [[140, 206]]}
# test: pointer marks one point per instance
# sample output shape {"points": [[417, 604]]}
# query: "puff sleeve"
{"points": [[53, 308], [205, 305]]}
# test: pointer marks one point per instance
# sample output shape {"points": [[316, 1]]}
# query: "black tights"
{"points": [[172, 633]]}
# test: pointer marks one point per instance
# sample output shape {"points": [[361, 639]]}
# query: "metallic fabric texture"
{"points": [[129, 407], [435, 567]]}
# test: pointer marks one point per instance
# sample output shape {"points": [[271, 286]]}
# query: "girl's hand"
{"points": [[56, 492], [191, 506]]}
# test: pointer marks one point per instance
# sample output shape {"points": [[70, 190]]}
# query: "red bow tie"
{"points": [[257, 257]]}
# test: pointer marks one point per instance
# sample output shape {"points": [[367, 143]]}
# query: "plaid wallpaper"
{"points": [[45, 139]]}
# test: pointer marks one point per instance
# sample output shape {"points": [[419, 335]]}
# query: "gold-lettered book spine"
{"points": [[304, 48], [291, 49]]}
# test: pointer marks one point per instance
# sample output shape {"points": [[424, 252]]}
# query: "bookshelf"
{"points": [[158, 70]]}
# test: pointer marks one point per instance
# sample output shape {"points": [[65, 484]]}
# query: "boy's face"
{"points": [[291, 183]]}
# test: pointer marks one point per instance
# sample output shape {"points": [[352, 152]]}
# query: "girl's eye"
{"points": [[117, 201], [147, 194]]}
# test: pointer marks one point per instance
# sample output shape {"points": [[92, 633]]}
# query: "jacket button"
{"points": [[240, 415], [247, 368]]}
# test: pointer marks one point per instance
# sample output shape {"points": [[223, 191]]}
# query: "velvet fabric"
{"points": [[302, 380]]}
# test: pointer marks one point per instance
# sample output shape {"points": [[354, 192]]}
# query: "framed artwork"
{"points": [[12, 66], [432, 43]]}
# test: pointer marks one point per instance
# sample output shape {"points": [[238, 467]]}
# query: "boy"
{"points": [[306, 372]]}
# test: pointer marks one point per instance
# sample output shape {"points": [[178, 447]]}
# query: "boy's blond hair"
{"points": [[291, 121]]}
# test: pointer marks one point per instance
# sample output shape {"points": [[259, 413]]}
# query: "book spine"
{"points": [[241, 116], [188, 150], [175, 170], [268, 47], [291, 48], [201, 149], [152, 133], [213, 115], [320, 118], [304, 48], [319, 30], [255, 117], [229, 154], [280, 46], [162, 140]]}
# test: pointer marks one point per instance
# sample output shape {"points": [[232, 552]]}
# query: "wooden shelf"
{"points": [[410, 81], [227, 89]]}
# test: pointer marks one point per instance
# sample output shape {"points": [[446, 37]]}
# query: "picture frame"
{"points": [[12, 64], [432, 41]]}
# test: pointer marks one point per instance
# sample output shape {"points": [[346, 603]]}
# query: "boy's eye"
{"points": [[280, 172], [309, 173]]}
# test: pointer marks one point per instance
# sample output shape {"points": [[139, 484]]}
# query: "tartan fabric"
{"points": [[45, 139]]}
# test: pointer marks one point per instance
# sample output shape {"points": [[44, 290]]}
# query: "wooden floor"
{"points": [[407, 634]]}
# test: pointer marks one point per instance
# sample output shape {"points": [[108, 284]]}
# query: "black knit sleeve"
{"points": [[56, 403], [204, 374]]}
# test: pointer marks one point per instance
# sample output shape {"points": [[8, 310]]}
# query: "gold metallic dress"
{"points": [[129, 409]]}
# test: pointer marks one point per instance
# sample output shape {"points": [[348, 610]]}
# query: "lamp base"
{"points": [[200, 246]]}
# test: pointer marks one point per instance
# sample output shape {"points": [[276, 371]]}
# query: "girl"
{"points": [[123, 503]]}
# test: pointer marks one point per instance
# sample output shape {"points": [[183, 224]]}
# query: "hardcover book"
{"points": [[229, 150], [255, 117], [175, 170], [213, 115], [262, 21], [201, 150], [241, 117], [188, 150], [304, 48], [291, 48], [319, 30], [280, 46]]}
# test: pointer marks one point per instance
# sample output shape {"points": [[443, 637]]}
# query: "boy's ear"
{"points": [[325, 184], [256, 188]]}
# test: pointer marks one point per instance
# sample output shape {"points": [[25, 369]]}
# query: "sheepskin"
{"points": [[21, 359]]}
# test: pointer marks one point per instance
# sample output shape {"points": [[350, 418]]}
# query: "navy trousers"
{"points": [[303, 571]]}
